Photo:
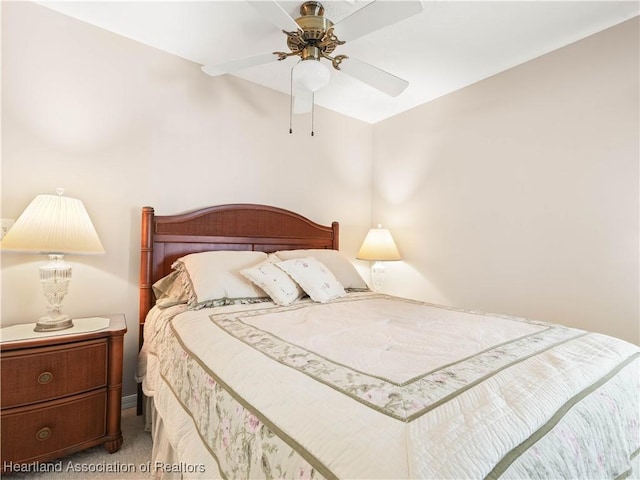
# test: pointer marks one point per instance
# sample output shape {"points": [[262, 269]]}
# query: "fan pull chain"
{"points": [[313, 109], [291, 104]]}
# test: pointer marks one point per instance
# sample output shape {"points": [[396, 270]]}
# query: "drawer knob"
{"points": [[43, 434], [45, 377]]}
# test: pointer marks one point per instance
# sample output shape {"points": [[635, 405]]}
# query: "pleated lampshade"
{"points": [[54, 224]]}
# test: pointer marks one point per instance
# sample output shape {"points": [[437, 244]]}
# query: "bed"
{"points": [[266, 356]]}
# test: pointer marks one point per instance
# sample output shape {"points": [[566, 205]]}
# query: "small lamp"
{"points": [[55, 225], [378, 246]]}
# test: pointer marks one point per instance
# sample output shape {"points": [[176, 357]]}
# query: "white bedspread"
{"points": [[372, 386]]}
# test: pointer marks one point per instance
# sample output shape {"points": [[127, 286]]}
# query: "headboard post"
{"points": [[336, 236], [146, 256], [145, 299]]}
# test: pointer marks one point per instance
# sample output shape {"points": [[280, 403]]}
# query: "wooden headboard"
{"points": [[164, 239]]}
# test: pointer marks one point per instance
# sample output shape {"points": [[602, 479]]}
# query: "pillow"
{"points": [[334, 260], [169, 290], [314, 278], [280, 286], [213, 278]]}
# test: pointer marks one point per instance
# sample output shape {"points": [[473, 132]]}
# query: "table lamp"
{"points": [[54, 225], [378, 247]]}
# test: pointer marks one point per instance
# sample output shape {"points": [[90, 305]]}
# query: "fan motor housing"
{"points": [[314, 26]]}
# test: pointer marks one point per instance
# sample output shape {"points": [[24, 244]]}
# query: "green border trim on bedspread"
{"points": [[322, 469], [514, 454], [628, 473], [403, 401]]}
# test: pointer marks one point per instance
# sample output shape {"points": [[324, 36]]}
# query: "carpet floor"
{"points": [[130, 462]]}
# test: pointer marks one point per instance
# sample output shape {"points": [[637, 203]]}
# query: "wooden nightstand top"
{"points": [[85, 330]]}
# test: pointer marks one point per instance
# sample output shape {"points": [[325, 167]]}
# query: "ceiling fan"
{"points": [[312, 37]]}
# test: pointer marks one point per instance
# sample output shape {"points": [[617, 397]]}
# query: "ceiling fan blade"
{"points": [[273, 12], [302, 101], [374, 16], [377, 78], [238, 64]]}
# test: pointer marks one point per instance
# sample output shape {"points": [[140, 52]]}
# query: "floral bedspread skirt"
{"points": [[371, 386]]}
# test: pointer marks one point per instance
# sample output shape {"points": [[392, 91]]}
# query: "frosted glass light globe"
{"points": [[311, 75]]}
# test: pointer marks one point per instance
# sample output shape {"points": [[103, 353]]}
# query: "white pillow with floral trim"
{"points": [[336, 261], [213, 278], [278, 285], [314, 278]]}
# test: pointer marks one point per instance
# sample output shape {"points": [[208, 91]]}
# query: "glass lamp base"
{"points": [[377, 275], [51, 324], [54, 278]]}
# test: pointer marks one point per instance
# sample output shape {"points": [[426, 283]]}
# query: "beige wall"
{"points": [[519, 194], [121, 125], [516, 195]]}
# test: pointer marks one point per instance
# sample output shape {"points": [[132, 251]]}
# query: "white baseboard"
{"points": [[129, 401]]}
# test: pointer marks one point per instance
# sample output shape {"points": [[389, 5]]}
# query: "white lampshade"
{"points": [[311, 75], [378, 245], [53, 224]]}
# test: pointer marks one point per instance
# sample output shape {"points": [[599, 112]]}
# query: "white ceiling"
{"points": [[449, 45]]}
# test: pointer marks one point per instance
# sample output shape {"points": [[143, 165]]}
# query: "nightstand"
{"points": [[61, 392]]}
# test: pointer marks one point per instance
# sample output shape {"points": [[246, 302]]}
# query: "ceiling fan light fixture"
{"points": [[311, 75]]}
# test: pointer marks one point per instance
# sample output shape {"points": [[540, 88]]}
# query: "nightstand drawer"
{"points": [[60, 393], [31, 433], [38, 374]]}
